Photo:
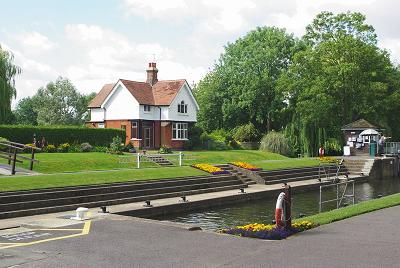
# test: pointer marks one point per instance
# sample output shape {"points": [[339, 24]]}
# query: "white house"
{"points": [[153, 113]]}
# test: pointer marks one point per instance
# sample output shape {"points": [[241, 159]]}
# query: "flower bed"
{"points": [[210, 169], [329, 160], [245, 166], [268, 231]]}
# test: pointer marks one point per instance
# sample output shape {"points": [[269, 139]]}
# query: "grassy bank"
{"points": [[57, 167], [15, 183], [287, 163], [69, 162], [354, 210]]}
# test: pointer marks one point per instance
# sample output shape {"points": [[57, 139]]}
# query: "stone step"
{"points": [[114, 195], [314, 173], [21, 196], [53, 209]]}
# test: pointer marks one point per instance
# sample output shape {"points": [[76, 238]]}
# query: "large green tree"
{"points": [[241, 88], [8, 70], [25, 112], [342, 76], [59, 103]]}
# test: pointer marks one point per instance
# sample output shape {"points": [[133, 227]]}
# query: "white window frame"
{"points": [[182, 108], [180, 131], [147, 110]]}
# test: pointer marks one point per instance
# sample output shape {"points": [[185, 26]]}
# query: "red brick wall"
{"points": [[119, 124], [167, 138], [164, 140]]}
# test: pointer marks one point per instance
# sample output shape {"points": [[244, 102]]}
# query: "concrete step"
{"points": [[115, 195], [294, 170], [53, 209], [23, 196], [314, 173], [292, 179]]}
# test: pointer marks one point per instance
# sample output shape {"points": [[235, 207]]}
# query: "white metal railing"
{"points": [[177, 159], [391, 148], [339, 198]]}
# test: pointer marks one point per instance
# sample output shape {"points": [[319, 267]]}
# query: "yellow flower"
{"points": [[244, 165], [208, 168]]}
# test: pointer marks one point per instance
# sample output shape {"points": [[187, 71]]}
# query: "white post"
{"points": [[138, 160], [180, 158]]}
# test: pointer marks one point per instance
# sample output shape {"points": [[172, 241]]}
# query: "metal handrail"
{"points": [[337, 199], [391, 148]]}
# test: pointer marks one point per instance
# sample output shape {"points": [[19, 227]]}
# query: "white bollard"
{"points": [[180, 158], [138, 160], [80, 214]]}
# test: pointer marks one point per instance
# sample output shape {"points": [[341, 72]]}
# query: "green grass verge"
{"points": [[354, 210], [69, 162], [15, 183], [222, 157], [287, 163]]}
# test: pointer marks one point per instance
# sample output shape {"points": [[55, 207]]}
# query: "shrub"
{"points": [[221, 135], [165, 150], [116, 146], [194, 141], [218, 140], [276, 142], [2, 140], [101, 149], [210, 143], [74, 148], [61, 134], [246, 133], [86, 147], [50, 148], [129, 148], [63, 148], [333, 147]]}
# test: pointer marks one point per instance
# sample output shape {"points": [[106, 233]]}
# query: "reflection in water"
{"points": [[262, 211]]}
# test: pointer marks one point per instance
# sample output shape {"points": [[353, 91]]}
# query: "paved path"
{"points": [[369, 240]]}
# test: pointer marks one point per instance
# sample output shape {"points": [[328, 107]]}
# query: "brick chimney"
{"points": [[152, 73]]}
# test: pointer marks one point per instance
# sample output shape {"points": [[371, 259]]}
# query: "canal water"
{"points": [[263, 210]]}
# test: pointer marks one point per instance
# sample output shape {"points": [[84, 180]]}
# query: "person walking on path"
{"points": [[381, 143]]}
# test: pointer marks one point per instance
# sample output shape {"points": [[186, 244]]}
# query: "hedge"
{"points": [[61, 134]]}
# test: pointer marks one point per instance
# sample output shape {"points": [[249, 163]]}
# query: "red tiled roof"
{"points": [[101, 96], [164, 92], [140, 90], [161, 93]]}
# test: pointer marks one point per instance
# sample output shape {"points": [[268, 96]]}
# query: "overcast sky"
{"points": [[93, 42]]}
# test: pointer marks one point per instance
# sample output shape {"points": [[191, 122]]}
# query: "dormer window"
{"points": [[147, 108], [182, 108]]}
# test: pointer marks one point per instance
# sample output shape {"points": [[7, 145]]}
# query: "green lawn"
{"points": [[354, 210], [13, 183], [287, 163], [95, 168], [220, 157], [70, 162]]}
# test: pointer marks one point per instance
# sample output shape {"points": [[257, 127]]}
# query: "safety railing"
{"points": [[339, 197], [391, 148], [11, 151], [175, 159]]}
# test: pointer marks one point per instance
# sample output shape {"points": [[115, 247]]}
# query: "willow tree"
{"points": [[8, 70]]}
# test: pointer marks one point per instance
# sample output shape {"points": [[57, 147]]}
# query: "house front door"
{"points": [[148, 137]]}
